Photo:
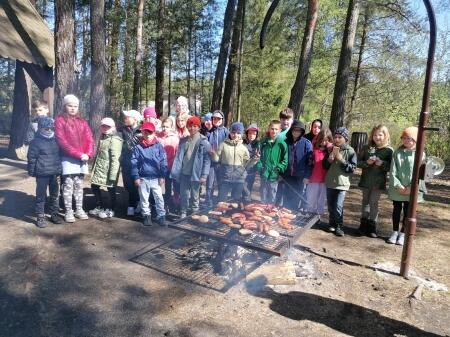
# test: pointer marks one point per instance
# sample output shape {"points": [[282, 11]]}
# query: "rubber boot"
{"points": [[363, 226]]}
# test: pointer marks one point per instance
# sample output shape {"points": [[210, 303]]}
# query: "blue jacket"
{"points": [[149, 162], [299, 158], [43, 157], [202, 161], [217, 136]]}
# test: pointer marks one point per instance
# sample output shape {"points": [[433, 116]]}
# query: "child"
{"points": [[273, 162], [231, 156], [76, 141], [286, 117], [299, 166], [375, 161], [131, 134], [44, 163], [316, 190], [148, 170], [150, 115], [105, 170], [207, 124], [340, 163], [40, 109], [169, 140], [182, 106], [181, 128], [252, 143], [191, 165], [316, 126], [400, 178]]}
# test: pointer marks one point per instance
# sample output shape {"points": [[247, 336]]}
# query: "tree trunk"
{"points": [[169, 89], [298, 89], [343, 72], [223, 54], [98, 66], [64, 51], [230, 90], [239, 80], [138, 57], [160, 61], [114, 106], [362, 45], [126, 57]]}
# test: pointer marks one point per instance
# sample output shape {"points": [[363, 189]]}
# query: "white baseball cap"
{"points": [[133, 113], [108, 121]]}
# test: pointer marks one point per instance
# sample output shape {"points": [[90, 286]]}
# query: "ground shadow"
{"points": [[17, 205], [347, 318]]}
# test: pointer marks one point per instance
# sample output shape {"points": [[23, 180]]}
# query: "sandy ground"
{"points": [[78, 280]]}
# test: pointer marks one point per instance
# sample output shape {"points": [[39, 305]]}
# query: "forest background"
{"points": [[385, 78]]}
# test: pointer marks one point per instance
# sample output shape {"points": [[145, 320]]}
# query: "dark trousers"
{"points": [[41, 194], [292, 190], [235, 188], [397, 212], [248, 186], [98, 196], [335, 201], [128, 183]]}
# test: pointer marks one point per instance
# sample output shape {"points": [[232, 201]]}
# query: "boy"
{"points": [[340, 163], [44, 163], [286, 117], [148, 169], [252, 143], [191, 165], [273, 162], [40, 109]]}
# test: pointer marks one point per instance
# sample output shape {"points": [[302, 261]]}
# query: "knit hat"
{"points": [[71, 99], [46, 123], [149, 112], [194, 120], [252, 127], [217, 114], [108, 121], [207, 117], [411, 132], [133, 113], [237, 127], [342, 131], [149, 126]]}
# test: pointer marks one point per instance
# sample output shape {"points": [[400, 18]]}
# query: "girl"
{"points": [[252, 143], [105, 171], [400, 178], [316, 126], [76, 141], [316, 191], [375, 161], [150, 115], [181, 128]]}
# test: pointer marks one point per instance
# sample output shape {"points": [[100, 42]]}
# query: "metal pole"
{"points": [[423, 121]]}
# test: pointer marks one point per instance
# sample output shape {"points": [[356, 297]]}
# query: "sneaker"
{"points": [[96, 211], [401, 239], [393, 238], [332, 229], [68, 217], [147, 220], [339, 231], [107, 213], [372, 229], [80, 214], [183, 214], [41, 222], [130, 211], [56, 219], [161, 220]]}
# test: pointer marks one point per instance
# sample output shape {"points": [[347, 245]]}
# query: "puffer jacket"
{"points": [[43, 157], [374, 176], [274, 158], [299, 158], [232, 156], [74, 136], [170, 143], [339, 171], [31, 130], [149, 161], [107, 161]]}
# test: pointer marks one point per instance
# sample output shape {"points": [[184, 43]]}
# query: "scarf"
{"points": [[47, 134], [148, 142]]}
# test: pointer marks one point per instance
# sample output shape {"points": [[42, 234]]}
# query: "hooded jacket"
{"points": [[339, 171], [74, 136], [105, 170], [43, 157], [274, 158], [232, 156], [299, 153], [217, 136], [149, 161]]}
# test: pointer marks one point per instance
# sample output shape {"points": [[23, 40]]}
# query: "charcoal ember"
{"points": [[199, 256]]}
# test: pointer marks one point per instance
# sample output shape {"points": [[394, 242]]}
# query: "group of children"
{"points": [[298, 170]]}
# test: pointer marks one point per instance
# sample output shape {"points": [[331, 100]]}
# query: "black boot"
{"points": [[363, 226], [372, 229], [56, 219], [339, 230], [41, 222]]}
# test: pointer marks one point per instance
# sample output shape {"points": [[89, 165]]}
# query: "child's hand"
{"points": [[202, 180], [84, 157], [338, 156], [161, 181], [378, 162], [305, 181], [370, 161], [137, 182]]}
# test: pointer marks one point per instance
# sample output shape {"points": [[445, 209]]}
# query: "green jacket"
{"points": [[274, 158], [374, 176], [339, 171], [107, 161], [401, 175]]}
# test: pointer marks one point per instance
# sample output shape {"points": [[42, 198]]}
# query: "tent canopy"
{"points": [[24, 34]]}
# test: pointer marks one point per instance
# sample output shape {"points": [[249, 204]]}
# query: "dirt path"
{"points": [[77, 280]]}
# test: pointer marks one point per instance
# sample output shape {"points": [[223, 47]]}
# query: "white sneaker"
{"points": [[68, 217], [393, 238], [401, 239], [107, 213], [81, 214], [96, 211], [130, 211]]}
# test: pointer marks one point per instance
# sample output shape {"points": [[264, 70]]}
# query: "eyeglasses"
{"points": [[409, 139]]}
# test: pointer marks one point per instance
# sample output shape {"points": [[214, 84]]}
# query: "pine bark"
{"points": [[138, 57], [114, 106], [161, 51]]}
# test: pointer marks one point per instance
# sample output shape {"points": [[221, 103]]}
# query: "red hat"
{"points": [[194, 120], [149, 112], [149, 126]]}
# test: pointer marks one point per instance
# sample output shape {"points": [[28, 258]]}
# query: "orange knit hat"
{"points": [[411, 132]]}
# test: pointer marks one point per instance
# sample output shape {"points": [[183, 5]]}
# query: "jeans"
{"points": [[397, 212], [189, 190], [369, 209], [146, 187], [235, 188], [293, 192], [316, 196], [98, 196], [268, 190], [41, 194], [212, 177], [335, 201], [128, 183]]}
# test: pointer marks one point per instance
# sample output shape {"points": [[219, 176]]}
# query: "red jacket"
{"points": [[74, 136]]}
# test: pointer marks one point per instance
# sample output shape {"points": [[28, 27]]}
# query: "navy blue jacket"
{"points": [[299, 156], [217, 136], [43, 157], [149, 162]]}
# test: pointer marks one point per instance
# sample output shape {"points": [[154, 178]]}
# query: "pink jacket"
{"points": [[318, 172], [74, 136], [170, 144]]}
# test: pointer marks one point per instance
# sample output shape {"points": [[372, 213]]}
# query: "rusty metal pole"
{"points": [[423, 121]]}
